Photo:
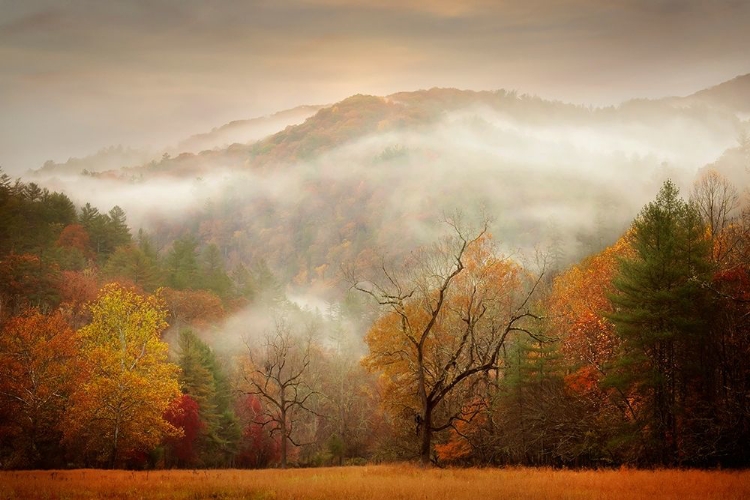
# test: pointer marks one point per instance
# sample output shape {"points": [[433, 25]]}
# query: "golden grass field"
{"points": [[377, 482]]}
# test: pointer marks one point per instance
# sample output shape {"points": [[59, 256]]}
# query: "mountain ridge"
{"points": [[304, 131]]}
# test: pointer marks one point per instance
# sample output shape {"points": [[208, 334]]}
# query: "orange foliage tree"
{"points": [[446, 320], [578, 307], [118, 410], [197, 308], [38, 369], [75, 236], [77, 289]]}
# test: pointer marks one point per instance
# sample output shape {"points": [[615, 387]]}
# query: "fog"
{"points": [[578, 180], [566, 183]]}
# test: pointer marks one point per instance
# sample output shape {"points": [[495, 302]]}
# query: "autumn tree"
{"points": [[118, 410], [278, 373], [73, 247], [38, 371], [183, 414], [578, 310], [547, 406], [728, 436], [446, 319], [261, 443], [77, 289], [661, 316], [192, 307], [725, 434]]}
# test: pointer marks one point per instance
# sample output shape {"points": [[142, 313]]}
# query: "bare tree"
{"points": [[717, 201], [446, 319], [279, 374]]}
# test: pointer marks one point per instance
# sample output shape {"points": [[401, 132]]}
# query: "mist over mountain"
{"points": [[238, 131], [375, 174]]}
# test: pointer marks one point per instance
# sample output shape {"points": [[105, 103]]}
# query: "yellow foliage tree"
{"points": [[118, 411]]}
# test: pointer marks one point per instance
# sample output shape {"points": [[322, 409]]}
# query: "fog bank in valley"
{"points": [[565, 185]]}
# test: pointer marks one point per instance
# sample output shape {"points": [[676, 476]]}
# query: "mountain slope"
{"points": [[116, 158], [733, 94], [372, 173]]}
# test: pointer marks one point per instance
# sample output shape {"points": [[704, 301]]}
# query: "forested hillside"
{"points": [[447, 276]]}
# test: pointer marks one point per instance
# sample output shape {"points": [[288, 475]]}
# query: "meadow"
{"points": [[377, 482]]}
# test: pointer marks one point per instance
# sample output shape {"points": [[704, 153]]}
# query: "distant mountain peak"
{"points": [[246, 131]]}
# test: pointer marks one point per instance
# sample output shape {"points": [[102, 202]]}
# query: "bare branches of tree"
{"points": [[279, 373], [445, 322]]}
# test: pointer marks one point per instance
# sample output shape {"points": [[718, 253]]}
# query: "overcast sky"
{"points": [[78, 75]]}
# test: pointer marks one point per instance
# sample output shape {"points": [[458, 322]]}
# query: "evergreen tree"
{"points": [[243, 282], [132, 263], [146, 246], [58, 209], [182, 264], [661, 315], [118, 233], [214, 277], [533, 421], [267, 287], [94, 223], [205, 381]]}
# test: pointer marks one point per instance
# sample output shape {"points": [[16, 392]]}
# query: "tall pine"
{"points": [[661, 309], [204, 380]]}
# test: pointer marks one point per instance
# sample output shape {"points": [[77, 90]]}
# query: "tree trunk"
{"points": [[426, 433], [283, 439], [115, 444]]}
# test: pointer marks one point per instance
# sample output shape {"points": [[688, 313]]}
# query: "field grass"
{"points": [[376, 482]]}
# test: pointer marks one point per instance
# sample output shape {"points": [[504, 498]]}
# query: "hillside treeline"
{"points": [[114, 354]]}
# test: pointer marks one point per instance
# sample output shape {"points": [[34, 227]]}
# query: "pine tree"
{"points": [[182, 264], [95, 225], [204, 380], [660, 315], [118, 233], [214, 277]]}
